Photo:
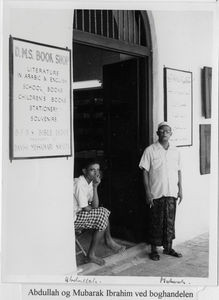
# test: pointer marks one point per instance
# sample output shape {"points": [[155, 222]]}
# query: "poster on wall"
{"points": [[40, 100], [178, 105]]}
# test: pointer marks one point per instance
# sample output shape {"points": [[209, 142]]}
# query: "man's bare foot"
{"points": [[97, 260], [120, 249], [116, 248]]}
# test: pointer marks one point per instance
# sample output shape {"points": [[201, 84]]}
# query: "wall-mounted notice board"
{"points": [[178, 105], [205, 148], [40, 100]]}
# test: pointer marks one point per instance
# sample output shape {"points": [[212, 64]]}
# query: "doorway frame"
{"points": [[143, 52]]}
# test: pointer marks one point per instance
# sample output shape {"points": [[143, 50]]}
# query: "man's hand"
{"points": [[87, 208], [180, 196], [149, 199], [96, 180]]}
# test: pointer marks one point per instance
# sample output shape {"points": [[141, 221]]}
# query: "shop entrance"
{"points": [[111, 123]]}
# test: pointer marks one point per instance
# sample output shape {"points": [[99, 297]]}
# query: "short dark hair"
{"points": [[87, 163]]}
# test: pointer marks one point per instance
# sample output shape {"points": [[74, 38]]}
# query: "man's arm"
{"points": [[180, 195], [149, 197], [95, 200]]}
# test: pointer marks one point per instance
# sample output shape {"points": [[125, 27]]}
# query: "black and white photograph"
{"points": [[109, 148]]}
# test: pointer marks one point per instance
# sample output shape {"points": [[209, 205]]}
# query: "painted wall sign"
{"points": [[178, 105], [40, 100]]}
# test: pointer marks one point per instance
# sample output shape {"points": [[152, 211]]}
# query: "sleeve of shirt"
{"points": [[80, 193], [145, 160]]}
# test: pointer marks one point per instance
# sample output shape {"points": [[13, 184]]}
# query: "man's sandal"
{"points": [[172, 252], [154, 256]]}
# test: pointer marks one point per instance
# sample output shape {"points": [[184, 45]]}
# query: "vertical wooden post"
{"points": [[206, 91], [205, 148]]}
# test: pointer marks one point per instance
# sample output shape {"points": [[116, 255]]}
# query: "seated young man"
{"points": [[88, 213]]}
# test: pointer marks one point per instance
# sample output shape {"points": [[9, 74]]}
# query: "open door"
{"points": [[122, 189]]}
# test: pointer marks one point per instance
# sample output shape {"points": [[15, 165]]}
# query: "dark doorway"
{"points": [[110, 125], [121, 93], [113, 118]]}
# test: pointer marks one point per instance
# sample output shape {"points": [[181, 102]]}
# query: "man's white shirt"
{"points": [[163, 166], [83, 194]]}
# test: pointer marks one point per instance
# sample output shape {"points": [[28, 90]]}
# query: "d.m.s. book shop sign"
{"points": [[40, 100]]}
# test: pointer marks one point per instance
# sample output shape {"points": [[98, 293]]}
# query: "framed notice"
{"points": [[40, 100], [178, 105]]}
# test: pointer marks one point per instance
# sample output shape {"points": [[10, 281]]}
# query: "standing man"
{"points": [[161, 167], [89, 215]]}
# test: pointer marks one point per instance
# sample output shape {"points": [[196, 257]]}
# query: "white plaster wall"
{"points": [[184, 40], [38, 239], [37, 194]]}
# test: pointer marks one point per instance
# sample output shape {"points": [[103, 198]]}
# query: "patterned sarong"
{"points": [[96, 218], [162, 221]]}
